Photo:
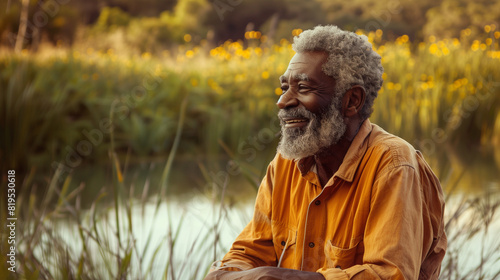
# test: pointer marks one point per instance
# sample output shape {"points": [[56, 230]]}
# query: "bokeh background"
{"points": [[139, 131]]}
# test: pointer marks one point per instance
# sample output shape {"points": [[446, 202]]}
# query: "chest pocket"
{"points": [[284, 240], [344, 258]]}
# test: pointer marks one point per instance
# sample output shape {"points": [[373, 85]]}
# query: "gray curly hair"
{"points": [[351, 60]]}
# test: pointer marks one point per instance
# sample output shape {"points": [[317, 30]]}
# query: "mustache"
{"points": [[298, 112]]}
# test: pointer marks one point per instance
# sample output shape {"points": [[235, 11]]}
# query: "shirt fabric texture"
{"points": [[380, 216]]}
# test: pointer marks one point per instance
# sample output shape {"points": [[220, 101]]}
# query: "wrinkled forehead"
{"points": [[294, 76], [309, 57], [305, 66]]}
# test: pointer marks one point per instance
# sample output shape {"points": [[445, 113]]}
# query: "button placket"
{"points": [[307, 227]]}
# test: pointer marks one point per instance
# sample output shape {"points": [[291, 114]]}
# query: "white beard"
{"points": [[320, 133]]}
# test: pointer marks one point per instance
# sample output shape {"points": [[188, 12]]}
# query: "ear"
{"points": [[353, 101]]}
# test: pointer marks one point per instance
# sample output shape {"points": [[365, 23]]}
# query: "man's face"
{"points": [[309, 107]]}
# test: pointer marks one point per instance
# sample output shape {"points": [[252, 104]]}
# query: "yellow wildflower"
{"points": [[296, 32], [193, 82]]}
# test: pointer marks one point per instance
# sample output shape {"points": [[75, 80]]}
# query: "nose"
{"points": [[287, 99]]}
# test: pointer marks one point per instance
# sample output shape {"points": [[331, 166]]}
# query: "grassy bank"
{"points": [[152, 236], [57, 103]]}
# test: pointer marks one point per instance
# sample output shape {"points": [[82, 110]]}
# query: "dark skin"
{"points": [[315, 94]]}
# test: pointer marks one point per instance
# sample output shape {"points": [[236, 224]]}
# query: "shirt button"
{"points": [[318, 202], [311, 244], [283, 243]]}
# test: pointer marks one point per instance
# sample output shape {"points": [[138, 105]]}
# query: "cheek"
{"points": [[316, 104]]}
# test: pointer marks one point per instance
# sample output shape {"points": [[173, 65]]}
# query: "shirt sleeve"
{"points": [[254, 246], [394, 233]]}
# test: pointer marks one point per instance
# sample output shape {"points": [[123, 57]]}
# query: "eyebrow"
{"points": [[298, 77]]}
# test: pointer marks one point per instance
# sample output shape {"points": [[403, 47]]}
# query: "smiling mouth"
{"points": [[295, 122]]}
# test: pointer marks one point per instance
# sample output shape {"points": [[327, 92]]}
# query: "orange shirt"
{"points": [[380, 216]]}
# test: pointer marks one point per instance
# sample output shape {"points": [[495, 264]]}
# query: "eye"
{"points": [[284, 89], [303, 87]]}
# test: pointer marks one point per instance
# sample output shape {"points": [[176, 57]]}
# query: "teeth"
{"points": [[294, 121]]}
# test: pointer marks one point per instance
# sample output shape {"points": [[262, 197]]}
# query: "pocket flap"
{"points": [[343, 258]]}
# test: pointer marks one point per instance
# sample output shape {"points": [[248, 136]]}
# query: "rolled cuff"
{"points": [[339, 274]]}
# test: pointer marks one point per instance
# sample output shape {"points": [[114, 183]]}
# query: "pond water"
{"points": [[197, 220]]}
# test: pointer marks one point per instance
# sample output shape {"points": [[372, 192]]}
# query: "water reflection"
{"points": [[461, 171], [200, 227], [472, 227], [198, 224], [201, 231]]}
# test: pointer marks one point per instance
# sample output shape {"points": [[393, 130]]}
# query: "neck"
{"points": [[329, 160]]}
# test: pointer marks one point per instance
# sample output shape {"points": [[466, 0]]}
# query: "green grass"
{"points": [[102, 242], [53, 100], [58, 239]]}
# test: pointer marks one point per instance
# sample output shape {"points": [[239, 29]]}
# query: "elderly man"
{"points": [[342, 199]]}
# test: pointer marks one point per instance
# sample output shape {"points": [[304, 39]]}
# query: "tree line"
{"points": [[26, 23]]}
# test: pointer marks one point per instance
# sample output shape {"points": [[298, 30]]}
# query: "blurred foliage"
{"points": [[439, 89], [148, 8], [47, 21], [447, 19], [118, 30], [129, 22], [111, 18], [438, 92], [395, 17]]}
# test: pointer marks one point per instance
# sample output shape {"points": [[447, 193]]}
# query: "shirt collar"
{"points": [[351, 160]]}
